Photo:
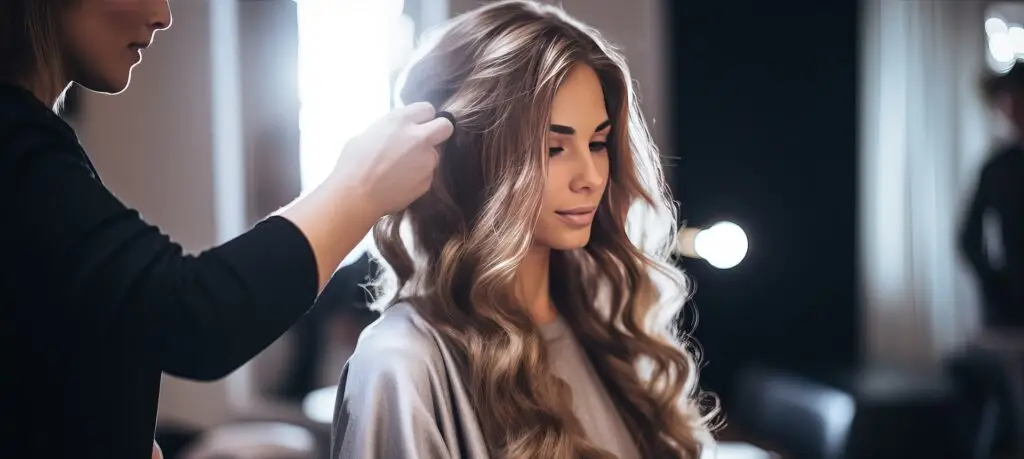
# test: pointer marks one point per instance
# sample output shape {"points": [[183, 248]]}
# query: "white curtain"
{"points": [[924, 132]]}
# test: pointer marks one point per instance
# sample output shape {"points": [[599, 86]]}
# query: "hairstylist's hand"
{"points": [[392, 163]]}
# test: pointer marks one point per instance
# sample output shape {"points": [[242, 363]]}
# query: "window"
{"points": [[349, 54]]}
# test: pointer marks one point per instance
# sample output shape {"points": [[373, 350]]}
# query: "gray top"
{"points": [[590, 402], [401, 395]]}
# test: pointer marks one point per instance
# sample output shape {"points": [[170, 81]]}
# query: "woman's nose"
{"points": [[588, 172], [160, 17]]}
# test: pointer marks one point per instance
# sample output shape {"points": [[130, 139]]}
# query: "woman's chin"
{"points": [[107, 84], [571, 241], [117, 85]]}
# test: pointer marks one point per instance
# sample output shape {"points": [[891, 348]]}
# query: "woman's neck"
{"points": [[45, 93], [533, 285]]}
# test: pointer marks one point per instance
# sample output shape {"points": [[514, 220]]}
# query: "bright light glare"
{"points": [[1001, 47], [723, 245], [1005, 43], [346, 52], [1016, 39], [995, 26], [319, 404]]}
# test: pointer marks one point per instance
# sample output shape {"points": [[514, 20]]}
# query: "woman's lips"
{"points": [[579, 217]]}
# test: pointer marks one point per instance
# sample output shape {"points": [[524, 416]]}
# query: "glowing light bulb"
{"points": [[994, 26], [1001, 47], [1015, 37], [724, 245]]}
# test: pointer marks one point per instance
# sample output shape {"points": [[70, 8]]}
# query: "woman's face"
{"points": [[104, 39], [577, 162]]}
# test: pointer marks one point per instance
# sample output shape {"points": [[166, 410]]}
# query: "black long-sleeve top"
{"points": [[1000, 189], [95, 303]]}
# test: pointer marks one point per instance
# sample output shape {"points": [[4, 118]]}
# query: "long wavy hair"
{"points": [[454, 253]]}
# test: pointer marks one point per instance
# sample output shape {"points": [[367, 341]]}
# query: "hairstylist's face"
{"points": [[577, 162], [104, 39]]}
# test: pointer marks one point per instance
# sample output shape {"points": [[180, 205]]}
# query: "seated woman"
{"points": [[519, 319]]}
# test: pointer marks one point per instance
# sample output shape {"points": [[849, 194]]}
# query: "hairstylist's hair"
{"points": [[29, 46], [994, 85], [453, 254]]}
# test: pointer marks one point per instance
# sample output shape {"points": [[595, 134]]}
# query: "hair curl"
{"points": [[453, 254]]}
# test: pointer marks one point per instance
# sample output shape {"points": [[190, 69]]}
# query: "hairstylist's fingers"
{"points": [[435, 153], [446, 115], [433, 159], [436, 131], [417, 113]]}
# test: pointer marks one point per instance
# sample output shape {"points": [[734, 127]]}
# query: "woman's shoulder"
{"points": [[399, 340], [396, 398], [398, 327]]}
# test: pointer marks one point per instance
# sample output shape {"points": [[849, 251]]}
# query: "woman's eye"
{"points": [[555, 150], [598, 146]]}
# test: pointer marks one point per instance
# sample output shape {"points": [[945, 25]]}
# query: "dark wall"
{"points": [[765, 102]]}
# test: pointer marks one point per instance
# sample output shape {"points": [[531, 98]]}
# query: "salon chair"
{"points": [[801, 418], [255, 440], [265, 426], [980, 382], [900, 412]]}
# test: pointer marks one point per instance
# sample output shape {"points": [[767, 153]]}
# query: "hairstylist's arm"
{"points": [[203, 316], [367, 186]]}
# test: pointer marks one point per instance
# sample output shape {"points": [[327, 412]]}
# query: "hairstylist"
{"points": [[95, 302]]}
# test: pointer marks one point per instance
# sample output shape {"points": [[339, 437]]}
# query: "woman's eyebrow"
{"points": [[569, 130]]}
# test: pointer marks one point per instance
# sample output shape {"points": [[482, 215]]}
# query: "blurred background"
{"points": [[845, 138]]}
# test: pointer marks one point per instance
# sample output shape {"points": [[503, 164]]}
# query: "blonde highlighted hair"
{"points": [[453, 254]]}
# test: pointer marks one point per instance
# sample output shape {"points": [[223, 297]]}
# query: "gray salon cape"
{"points": [[401, 397]]}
